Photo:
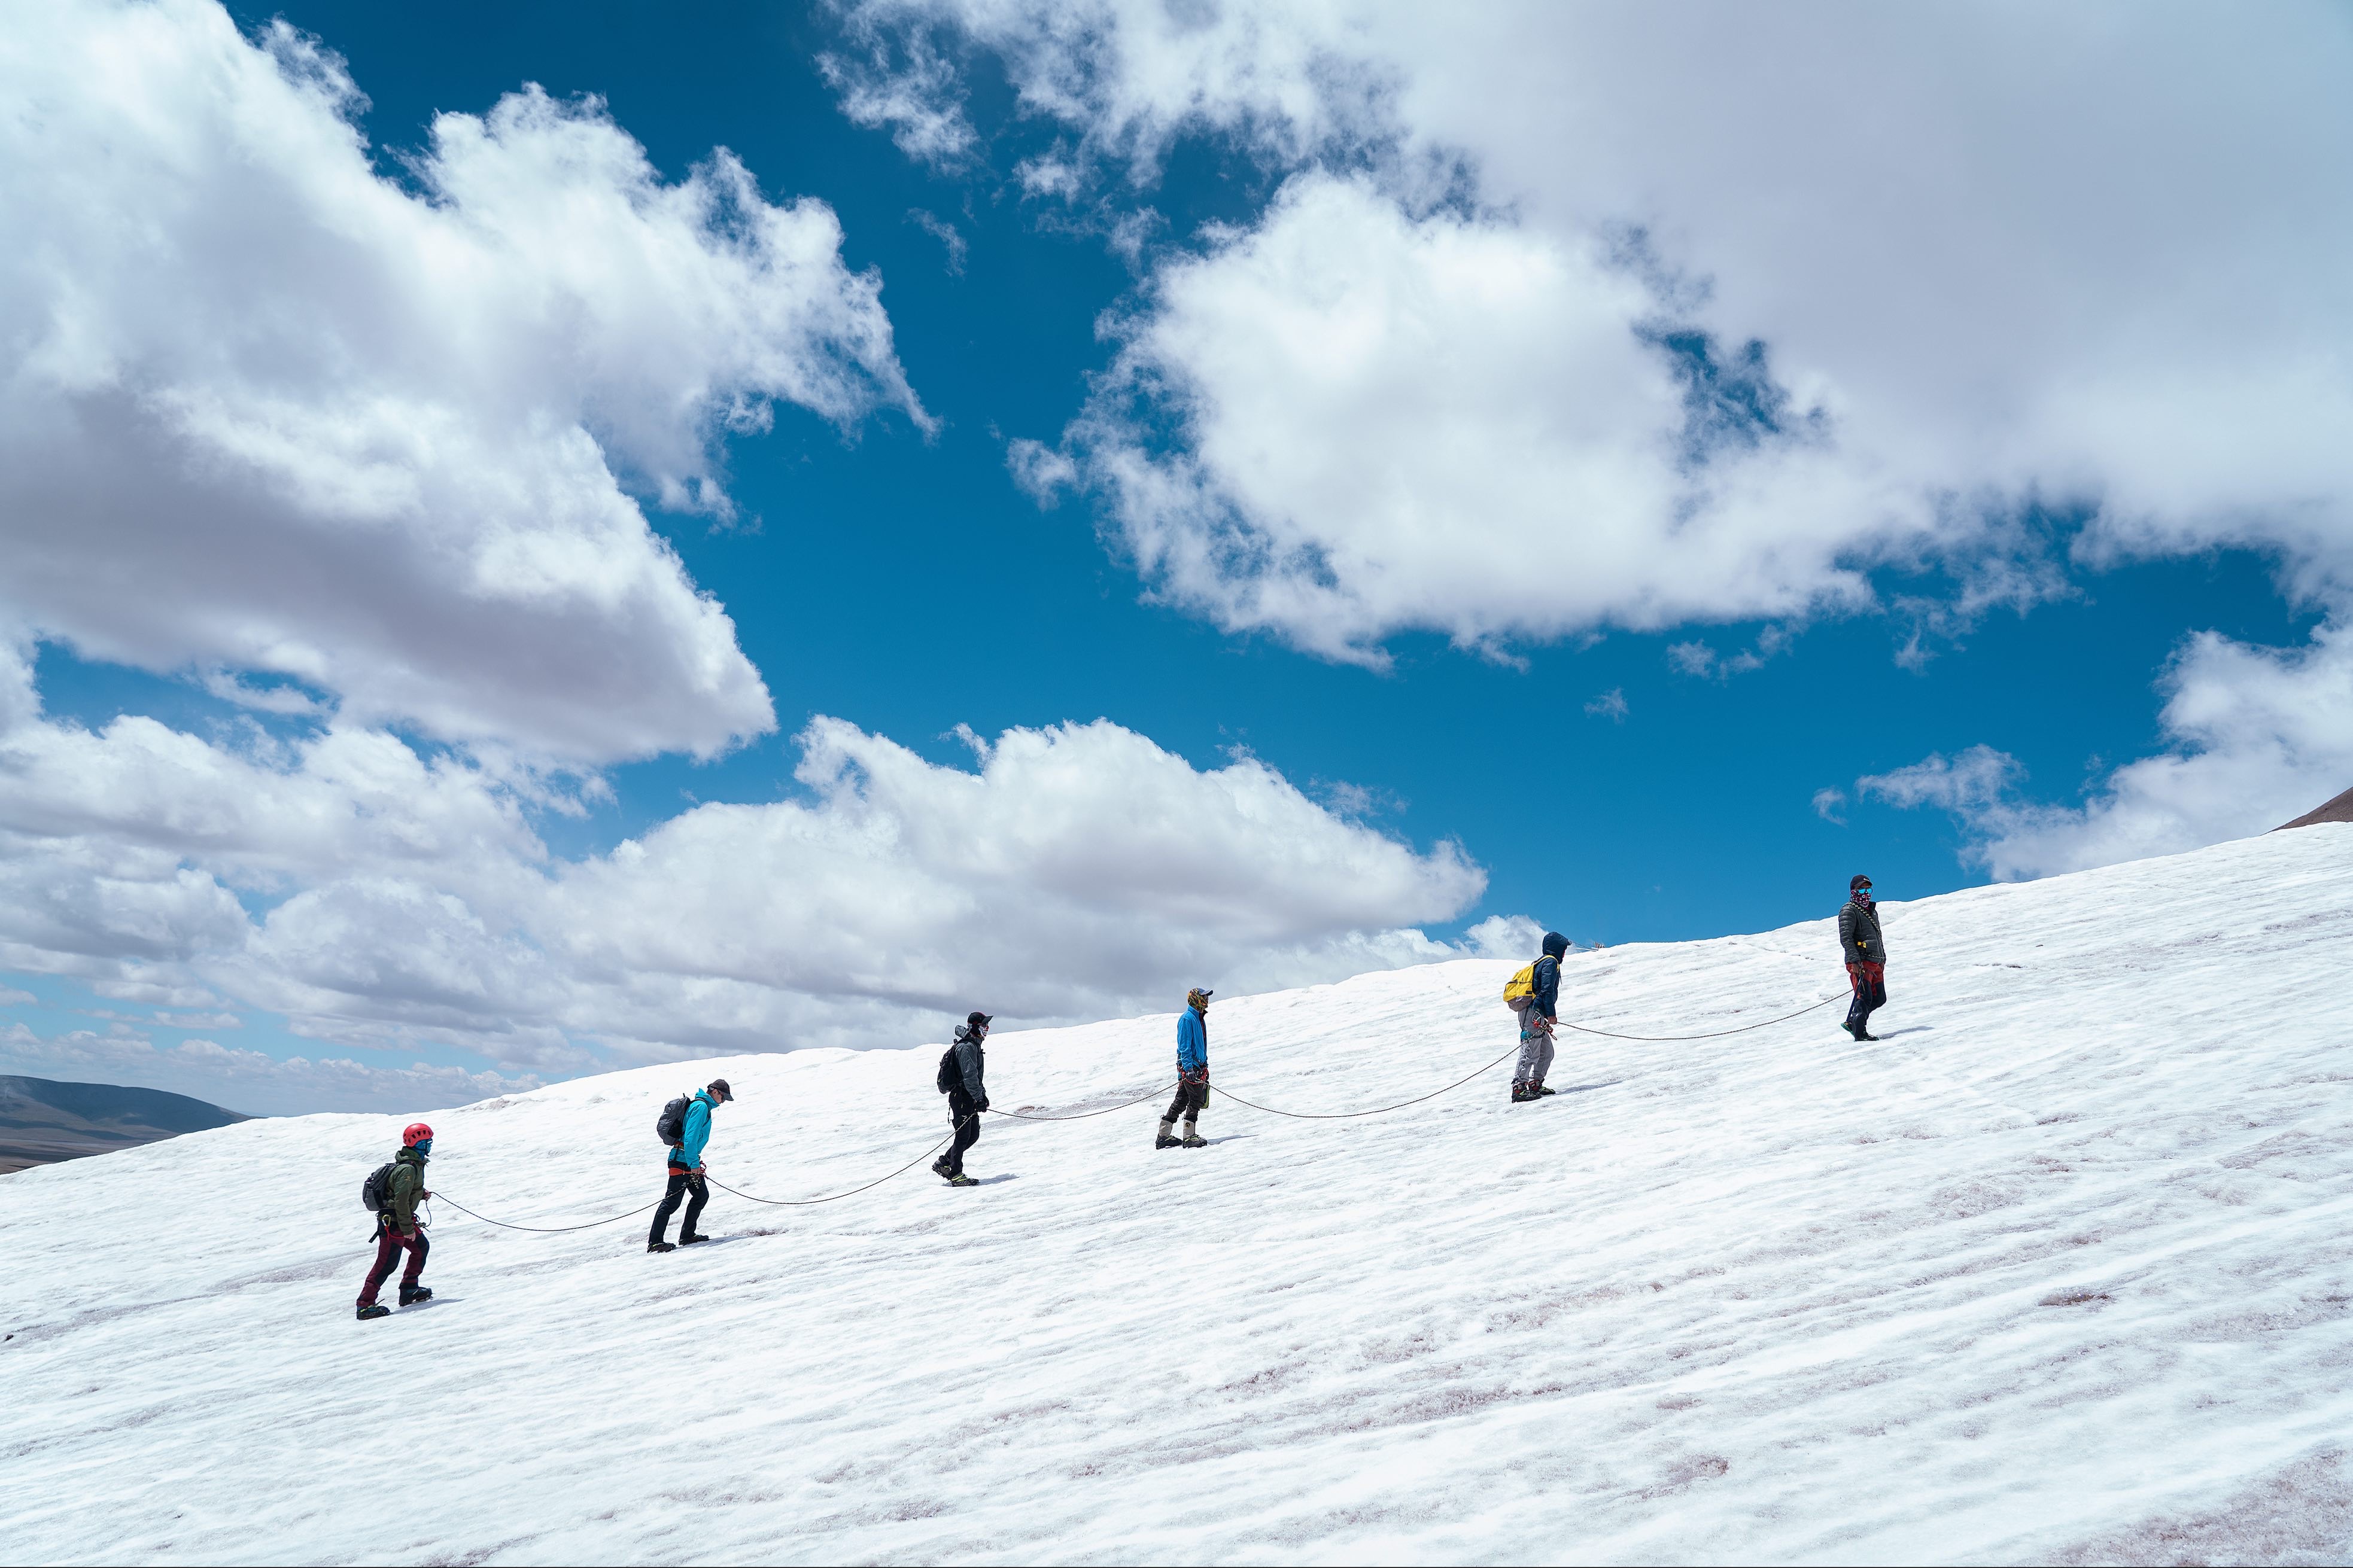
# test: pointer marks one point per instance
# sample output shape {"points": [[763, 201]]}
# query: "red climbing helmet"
{"points": [[417, 1132]]}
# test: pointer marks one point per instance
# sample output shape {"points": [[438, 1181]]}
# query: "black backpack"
{"points": [[950, 1075], [376, 1191], [670, 1125]]}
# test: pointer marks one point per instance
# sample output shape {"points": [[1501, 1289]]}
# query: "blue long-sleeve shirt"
{"points": [[1192, 1041], [689, 1152]]}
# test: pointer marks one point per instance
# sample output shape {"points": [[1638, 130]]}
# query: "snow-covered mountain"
{"points": [[2061, 1269]]}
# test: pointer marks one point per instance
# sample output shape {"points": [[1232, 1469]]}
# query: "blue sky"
{"points": [[1607, 780]]}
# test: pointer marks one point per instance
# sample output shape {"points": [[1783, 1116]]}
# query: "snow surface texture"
{"points": [[2060, 1270]]}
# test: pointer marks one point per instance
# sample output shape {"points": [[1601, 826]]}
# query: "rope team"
{"points": [[394, 1191]]}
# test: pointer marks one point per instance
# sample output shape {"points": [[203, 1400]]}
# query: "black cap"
{"points": [[719, 1087], [977, 1019], [1857, 880]]}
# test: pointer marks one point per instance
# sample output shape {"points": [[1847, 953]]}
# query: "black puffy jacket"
{"points": [[1859, 934]]}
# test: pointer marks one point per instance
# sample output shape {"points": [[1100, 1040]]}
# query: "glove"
{"points": [[983, 1106]]}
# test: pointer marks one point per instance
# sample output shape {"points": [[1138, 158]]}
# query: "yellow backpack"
{"points": [[1521, 988]]}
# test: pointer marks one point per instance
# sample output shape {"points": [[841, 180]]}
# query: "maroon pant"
{"points": [[389, 1245]]}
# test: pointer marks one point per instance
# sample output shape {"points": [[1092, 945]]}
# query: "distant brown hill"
{"points": [[42, 1121], [2337, 810]]}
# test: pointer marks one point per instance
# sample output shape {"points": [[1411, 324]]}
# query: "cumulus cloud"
{"points": [[382, 898], [1809, 299], [2257, 736], [1504, 936], [1079, 871], [266, 410], [1455, 424]]}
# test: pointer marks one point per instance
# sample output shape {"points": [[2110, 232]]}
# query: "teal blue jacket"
{"points": [[688, 1153]]}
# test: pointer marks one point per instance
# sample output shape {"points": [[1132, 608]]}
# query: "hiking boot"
{"points": [[1864, 1033], [1520, 1095], [691, 1240], [659, 1246], [1193, 1139], [411, 1294], [961, 1180], [940, 1168], [374, 1310], [1165, 1141], [1537, 1090]]}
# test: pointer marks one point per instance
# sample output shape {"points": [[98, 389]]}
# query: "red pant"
{"points": [[1870, 983], [389, 1245]]}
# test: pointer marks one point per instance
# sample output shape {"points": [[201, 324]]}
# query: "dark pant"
{"points": [[967, 1125], [1870, 983], [681, 1183], [1192, 1097], [389, 1245]]}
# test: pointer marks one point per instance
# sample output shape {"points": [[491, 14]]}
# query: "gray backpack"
{"points": [[376, 1191]]}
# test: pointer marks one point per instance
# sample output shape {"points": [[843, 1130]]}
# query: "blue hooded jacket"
{"points": [[1192, 1040], [688, 1153], [1548, 975]]}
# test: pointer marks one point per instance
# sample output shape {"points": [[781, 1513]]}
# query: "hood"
{"points": [[964, 1034], [1555, 944]]}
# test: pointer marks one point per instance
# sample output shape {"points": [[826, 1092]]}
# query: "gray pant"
{"points": [[1536, 1047]]}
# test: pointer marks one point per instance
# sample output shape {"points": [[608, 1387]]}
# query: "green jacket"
{"points": [[407, 1187]]}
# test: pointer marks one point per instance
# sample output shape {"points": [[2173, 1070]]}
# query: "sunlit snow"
{"points": [[2062, 1266]]}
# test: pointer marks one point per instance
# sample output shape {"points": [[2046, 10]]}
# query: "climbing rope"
{"points": [[1458, 1083], [1345, 1115], [1082, 1115], [802, 1203], [1673, 1039], [1124, 1105], [788, 1202], [538, 1229]]}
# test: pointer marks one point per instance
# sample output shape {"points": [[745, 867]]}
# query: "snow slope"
{"points": [[2060, 1268]]}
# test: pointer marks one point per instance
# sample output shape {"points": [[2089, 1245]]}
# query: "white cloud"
{"points": [[1451, 424], [1971, 785], [2258, 736], [268, 410], [1693, 657], [1505, 936], [1610, 705], [1829, 805], [946, 233], [384, 900], [2088, 258], [1127, 75], [1081, 871]]}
